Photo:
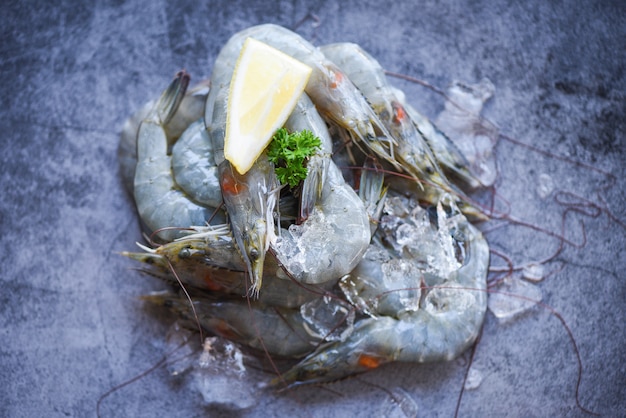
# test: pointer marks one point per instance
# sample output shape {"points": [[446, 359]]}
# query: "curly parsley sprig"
{"points": [[289, 153]]}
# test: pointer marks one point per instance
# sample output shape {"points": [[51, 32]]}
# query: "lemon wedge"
{"points": [[264, 89]]}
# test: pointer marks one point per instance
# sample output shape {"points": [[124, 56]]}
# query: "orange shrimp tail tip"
{"points": [[369, 362]]}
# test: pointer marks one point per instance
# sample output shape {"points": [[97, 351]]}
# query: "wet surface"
{"points": [[71, 323]]}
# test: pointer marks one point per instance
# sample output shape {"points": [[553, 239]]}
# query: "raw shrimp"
{"points": [[212, 263], [417, 294], [412, 154], [334, 95], [160, 203], [419, 310], [250, 201], [329, 244], [250, 198], [333, 238], [336, 232], [280, 331], [368, 76]]}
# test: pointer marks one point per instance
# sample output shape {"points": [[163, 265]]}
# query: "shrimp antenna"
{"points": [[469, 366], [193, 308], [142, 374]]}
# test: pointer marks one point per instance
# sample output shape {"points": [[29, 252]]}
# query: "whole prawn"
{"points": [[413, 154], [335, 234], [415, 310], [160, 202], [281, 331], [212, 264], [249, 198]]}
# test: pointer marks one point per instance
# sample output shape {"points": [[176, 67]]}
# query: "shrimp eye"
{"points": [[254, 254], [185, 253], [429, 170]]}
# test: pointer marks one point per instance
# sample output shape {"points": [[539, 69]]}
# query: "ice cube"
{"points": [[221, 377], [513, 297], [181, 344], [533, 272], [328, 318], [474, 379], [474, 137], [402, 405], [545, 186]]}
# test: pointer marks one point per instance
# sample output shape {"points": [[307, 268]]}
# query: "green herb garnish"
{"points": [[289, 153]]}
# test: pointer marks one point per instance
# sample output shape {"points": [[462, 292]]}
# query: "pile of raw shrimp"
{"points": [[371, 259]]}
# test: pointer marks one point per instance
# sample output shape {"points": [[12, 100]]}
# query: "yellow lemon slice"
{"points": [[265, 87]]}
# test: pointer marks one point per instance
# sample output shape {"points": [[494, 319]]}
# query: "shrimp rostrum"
{"points": [[356, 273]]}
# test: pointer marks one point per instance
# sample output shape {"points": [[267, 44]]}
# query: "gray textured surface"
{"points": [[71, 324]]}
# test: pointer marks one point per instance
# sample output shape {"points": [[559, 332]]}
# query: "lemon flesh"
{"points": [[264, 89]]}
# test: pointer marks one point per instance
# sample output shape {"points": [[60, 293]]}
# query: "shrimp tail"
{"points": [[372, 191], [171, 98], [313, 185]]}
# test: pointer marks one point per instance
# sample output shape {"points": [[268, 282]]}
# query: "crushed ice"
{"points": [[474, 379], [328, 318], [216, 370], [182, 345], [533, 272], [513, 297], [221, 377], [402, 404], [545, 186], [412, 235], [474, 137]]}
